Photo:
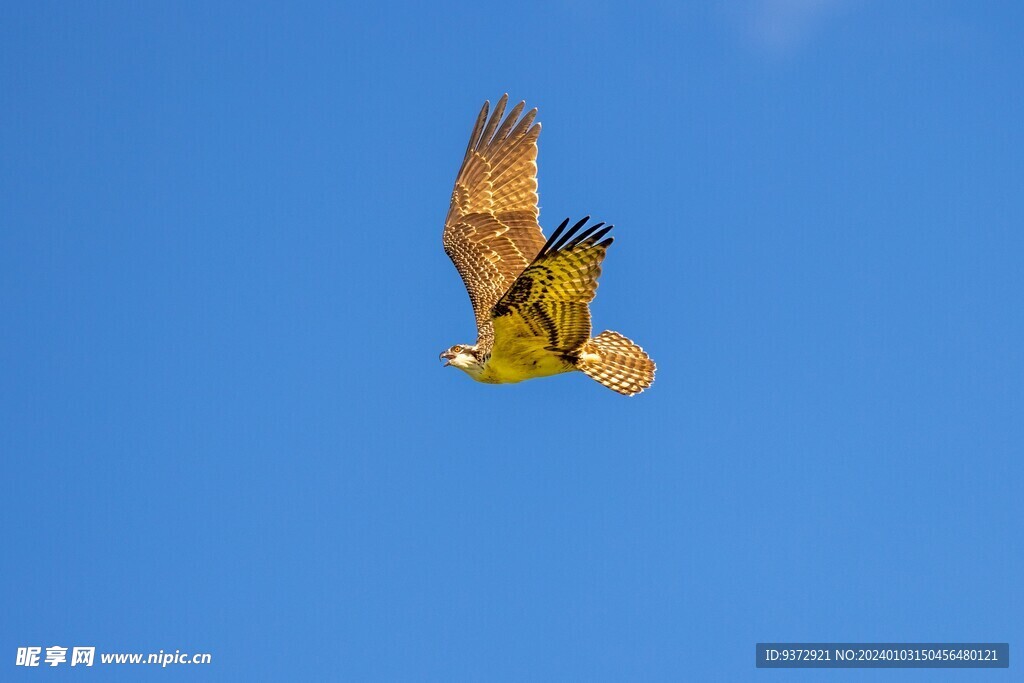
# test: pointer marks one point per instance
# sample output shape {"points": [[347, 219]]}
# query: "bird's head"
{"points": [[464, 358]]}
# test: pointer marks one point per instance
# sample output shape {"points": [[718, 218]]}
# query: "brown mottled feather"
{"points": [[491, 233], [616, 362]]}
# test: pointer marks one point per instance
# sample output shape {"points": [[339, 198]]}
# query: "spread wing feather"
{"points": [[549, 301], [491, 233]]}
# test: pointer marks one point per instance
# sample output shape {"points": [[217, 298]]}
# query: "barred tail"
{"points": [[617, 363]]}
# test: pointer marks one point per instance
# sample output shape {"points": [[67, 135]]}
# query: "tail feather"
{"points": [[617, 363]]}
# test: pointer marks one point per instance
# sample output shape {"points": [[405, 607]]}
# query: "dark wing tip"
{"points": [[585, 235], [596, 237], [554, 236], [572, 231], [562, 238]]}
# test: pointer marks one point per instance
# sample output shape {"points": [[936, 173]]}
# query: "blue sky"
{"points": [[226, 429]]}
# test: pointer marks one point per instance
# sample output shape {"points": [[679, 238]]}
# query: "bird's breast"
{"points": [[518, 362]]}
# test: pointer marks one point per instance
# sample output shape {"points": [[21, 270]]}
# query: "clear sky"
{"points": [[223, 420]]}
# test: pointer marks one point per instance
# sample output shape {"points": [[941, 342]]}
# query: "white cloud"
{"points": [[782, 26]]}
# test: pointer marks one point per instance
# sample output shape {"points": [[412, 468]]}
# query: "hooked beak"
{"points": [[446, 356]]}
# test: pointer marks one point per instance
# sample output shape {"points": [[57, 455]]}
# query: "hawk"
{"points": [[530, 295]]}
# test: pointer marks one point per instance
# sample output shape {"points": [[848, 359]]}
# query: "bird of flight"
{"points": [[531, 296]]}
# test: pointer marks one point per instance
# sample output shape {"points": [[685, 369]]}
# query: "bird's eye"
{"points": [[457, 349]]}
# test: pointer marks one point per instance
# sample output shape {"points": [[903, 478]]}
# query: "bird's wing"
{"points": [[491, 233], [549, 301]]}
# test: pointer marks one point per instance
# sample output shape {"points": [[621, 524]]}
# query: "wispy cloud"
{"points": [[783, 26]]}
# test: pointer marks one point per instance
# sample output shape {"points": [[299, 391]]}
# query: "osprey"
{"points": [[530, 295]]}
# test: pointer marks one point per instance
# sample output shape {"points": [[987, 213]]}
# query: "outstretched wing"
{"points": [[549, 301], [491, 233]]}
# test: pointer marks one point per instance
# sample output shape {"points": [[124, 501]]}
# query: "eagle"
{"points": [[530, 296]]}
